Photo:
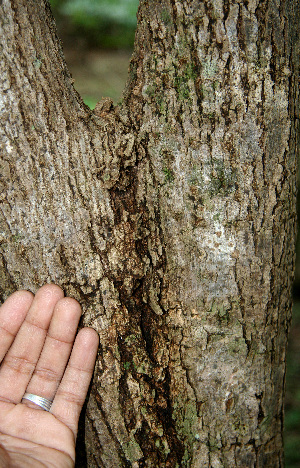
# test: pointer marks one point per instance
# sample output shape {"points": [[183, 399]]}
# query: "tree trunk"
{"points": [[170, 217]]}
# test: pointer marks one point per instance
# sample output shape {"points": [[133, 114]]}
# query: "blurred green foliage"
{"points": [[292, 400], [102, 23]]}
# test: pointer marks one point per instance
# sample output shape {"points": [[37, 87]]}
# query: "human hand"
{"points": [[36, 338]]}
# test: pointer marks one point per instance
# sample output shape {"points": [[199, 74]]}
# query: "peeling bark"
{"points": [[170, 217]]}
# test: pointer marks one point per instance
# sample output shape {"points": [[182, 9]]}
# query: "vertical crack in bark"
{"points": [[142, 340], [174, 14]]}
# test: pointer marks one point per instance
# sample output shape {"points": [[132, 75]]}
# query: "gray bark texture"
{"points": [[170, 217]]}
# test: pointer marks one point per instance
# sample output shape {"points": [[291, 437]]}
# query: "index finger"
{"points": [[73, 388], [12, 314]]}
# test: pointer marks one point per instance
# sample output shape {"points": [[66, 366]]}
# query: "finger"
{"points": [[20, 361], [12, 314], [72, 391], [57, 348]]}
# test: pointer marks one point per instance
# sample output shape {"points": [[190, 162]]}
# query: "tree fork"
{"points": [[170, 217]]}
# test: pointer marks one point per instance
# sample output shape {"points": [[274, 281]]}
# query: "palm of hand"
{"points": [[36, 338], [26, 445]]}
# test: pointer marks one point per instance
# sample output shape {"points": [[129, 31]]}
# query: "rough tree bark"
{"points": [[170, 217]]}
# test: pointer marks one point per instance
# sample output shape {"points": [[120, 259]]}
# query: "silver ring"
{"points": [[38, 400]]}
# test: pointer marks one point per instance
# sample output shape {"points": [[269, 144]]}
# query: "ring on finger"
{"points": [[38, 400]]}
